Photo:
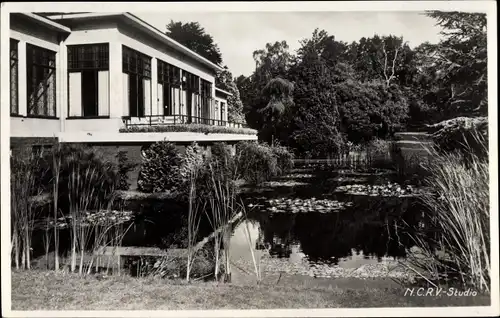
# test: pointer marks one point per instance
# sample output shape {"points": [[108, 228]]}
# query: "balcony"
{"points": [[183, 123]]}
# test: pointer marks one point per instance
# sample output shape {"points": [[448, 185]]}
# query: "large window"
{"points": [[14, 77], [88, 69], [169, 81], [206, 98], [41, 81], [222, 111], [137, 75], [191, 86]]}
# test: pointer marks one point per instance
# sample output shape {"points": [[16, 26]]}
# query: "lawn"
{"points": [[44, 290]]}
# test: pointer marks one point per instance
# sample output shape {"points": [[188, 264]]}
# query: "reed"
{"points": [[456, 242], [223, 208], [26, 170]]}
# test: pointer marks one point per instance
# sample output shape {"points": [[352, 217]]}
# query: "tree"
{"points": [[461, 64], [387, 58], [279, 96], [370, 110], [225, 81], [272, 62], [193, 36], [314, 120]]}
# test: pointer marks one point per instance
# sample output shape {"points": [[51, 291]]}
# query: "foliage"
{"points": [[193, 36], [24, 186], [462, 134], [193, 158], [456, 245], [370, 110], [460, 62], [278, 96], [314, 120], [256, 162], [124, 167], [284, 159], [197, 128], [221, 153], [78, 161], [272, 62], [160, 170], [225, 81]]}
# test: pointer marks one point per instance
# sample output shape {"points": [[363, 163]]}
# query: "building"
{"points": [[113, 81]]}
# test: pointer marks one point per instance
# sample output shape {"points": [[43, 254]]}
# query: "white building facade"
{"points": [[93, 77]]}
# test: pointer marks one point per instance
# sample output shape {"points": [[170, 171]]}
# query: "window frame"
{"points": [[14, 62], [169, 76], [35, 60], [101, 63], [137, 65]]}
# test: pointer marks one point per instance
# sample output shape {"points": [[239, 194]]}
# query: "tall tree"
{"points": [[272, 62], [225, 81], [193, 36], [387, 58], [461, 62]]}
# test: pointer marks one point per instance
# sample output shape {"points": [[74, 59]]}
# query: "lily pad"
{"points": [[385, 190], [306, 205]]}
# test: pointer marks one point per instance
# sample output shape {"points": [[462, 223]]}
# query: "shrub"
{"points": [[466, 135], [284, 159], [124, 167], [160, 170], [256, 162], [221, 154]]}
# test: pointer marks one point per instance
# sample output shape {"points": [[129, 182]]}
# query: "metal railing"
{"points": [[166, 120]]}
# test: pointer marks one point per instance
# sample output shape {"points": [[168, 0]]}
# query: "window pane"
{"points": [[41, 81], [14, 77], [88, 56], [89, 93]]}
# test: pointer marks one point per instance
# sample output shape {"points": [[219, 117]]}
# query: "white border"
{"points": [[488, 7]]}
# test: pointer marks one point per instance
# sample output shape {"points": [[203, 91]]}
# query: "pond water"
{"points": [[299, 224], [358, 236]]}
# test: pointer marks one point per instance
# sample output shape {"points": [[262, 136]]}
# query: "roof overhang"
{"points": [[142, 25], [46, 22]]}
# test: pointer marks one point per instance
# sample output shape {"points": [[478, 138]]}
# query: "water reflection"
{"points": [[372, 230]]}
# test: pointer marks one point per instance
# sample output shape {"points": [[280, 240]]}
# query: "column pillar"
{"points": [[22, 79], [116, 105], [155, 107]]}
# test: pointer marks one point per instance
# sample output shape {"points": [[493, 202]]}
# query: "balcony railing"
{"points": [[165, 120]]}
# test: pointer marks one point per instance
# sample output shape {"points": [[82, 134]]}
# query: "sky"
{"points": [[238, 34]]}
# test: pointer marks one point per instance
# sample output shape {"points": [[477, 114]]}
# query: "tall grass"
{"points": [[56, 169], [456, 242], [26, 171]]}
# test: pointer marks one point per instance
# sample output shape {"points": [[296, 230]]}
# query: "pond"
{"points": [[301, 224], [309, 228]]}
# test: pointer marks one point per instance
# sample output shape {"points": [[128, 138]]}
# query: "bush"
{"points": [[160, 170], [256, 162], [124, 167], [462, 134], [284, 159]]}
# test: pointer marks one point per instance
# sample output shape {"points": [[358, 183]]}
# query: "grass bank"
{"points": [[44, 290]]}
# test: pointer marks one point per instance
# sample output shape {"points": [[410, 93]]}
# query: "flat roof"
{"points": [[46, 22], [129, 17]]}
